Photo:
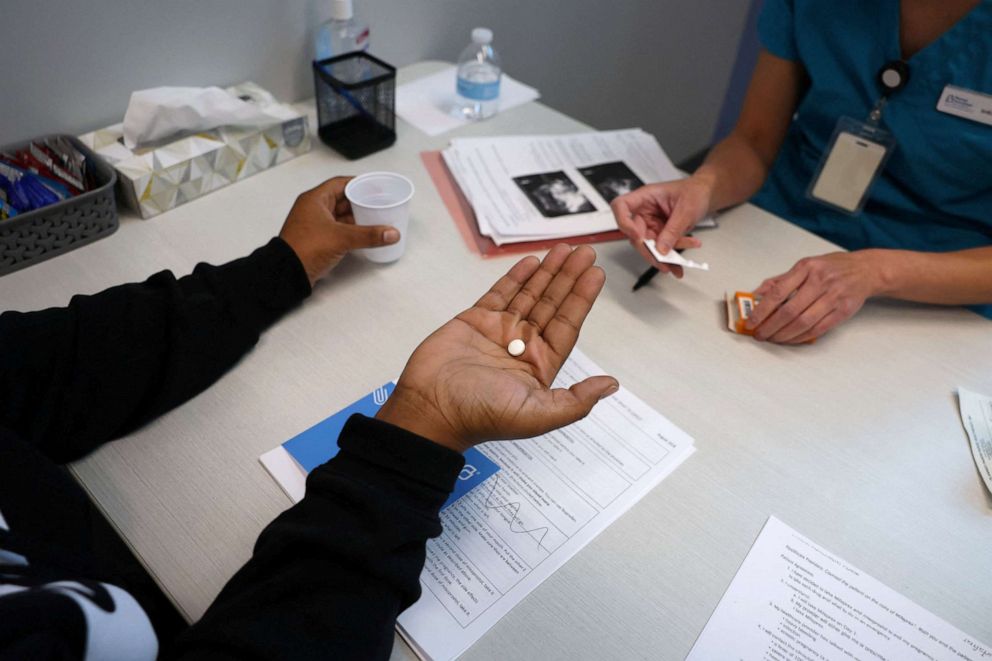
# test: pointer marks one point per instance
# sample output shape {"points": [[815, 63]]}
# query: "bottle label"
{"points": [[478, 91]]}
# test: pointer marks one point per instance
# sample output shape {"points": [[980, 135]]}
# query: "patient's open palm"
{"points": [[461, 386]]}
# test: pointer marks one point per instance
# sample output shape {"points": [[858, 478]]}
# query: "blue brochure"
{"points": [[478, 468], [319, 444]]}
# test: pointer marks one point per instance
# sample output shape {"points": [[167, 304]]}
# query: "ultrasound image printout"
{"points": [[554, 194], [611, 180]]}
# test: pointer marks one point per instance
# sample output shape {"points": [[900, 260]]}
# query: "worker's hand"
{"points": [[461, 386], [321, 230], [664, 212], [813, 296]]}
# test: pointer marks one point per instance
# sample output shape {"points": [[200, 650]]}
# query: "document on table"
{"points": [[976, 415], [550, 497], [528, 188], [429, 103], [795, 601]]}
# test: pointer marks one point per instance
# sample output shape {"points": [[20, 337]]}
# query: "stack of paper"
{"points": [[538, 187], [793, 599]]}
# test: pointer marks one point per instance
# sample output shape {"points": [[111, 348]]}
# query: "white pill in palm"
{"points": [[516, 347]]}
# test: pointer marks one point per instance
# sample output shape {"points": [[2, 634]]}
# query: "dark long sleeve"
{"points": [[330, 575], [72, 378]]}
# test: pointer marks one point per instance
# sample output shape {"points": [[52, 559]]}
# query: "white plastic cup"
{"points": [[381, 198]]}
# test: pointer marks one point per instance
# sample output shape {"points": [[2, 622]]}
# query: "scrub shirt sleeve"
{"points": [[776, 28]]}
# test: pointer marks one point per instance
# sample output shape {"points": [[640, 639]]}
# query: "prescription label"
{"points": [[740, 305]]}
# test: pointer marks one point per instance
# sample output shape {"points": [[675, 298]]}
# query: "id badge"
{"points": [[855, 155]]}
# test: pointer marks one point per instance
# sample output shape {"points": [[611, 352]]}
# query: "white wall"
{"points": [[659, 64]]}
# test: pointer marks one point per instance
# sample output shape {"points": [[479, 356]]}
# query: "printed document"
{"points": [[795, 601], [976, 415], [528, 188], [550, 497]]}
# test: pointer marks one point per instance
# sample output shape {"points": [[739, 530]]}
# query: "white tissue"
{"points": [[162, 112], [673, 257]]}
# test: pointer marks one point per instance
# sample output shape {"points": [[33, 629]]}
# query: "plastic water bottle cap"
{"points": [[342, 10], [481, 35]]}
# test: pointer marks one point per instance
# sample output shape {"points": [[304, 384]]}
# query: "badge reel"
{"points": [[857, 151]]}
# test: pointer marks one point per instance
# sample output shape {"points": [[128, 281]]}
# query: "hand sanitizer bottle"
{"points": [[342, 34], [479, 72]]}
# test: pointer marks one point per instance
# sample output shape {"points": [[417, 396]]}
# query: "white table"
{"points": [[855, 440]]}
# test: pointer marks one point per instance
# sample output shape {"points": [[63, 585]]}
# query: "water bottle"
{"points": [[479, 71]]}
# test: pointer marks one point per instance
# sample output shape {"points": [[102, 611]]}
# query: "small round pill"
{"points": [[516, 347]]}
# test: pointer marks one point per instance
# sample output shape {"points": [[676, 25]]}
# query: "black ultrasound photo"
{"points": [[611, 180], [554, 194]]}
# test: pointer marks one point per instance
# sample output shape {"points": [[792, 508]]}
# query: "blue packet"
{"points": [[6, 210], [9, 179], [28, 191], [59, 189], [36, 191]]}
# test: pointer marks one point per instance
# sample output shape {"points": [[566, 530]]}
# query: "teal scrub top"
{"points": [[935, 191]]}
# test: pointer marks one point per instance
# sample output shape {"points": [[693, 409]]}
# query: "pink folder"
{"points": [[461, 212]]}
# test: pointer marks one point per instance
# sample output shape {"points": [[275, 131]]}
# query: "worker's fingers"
{"points": [[686, 213], [773, 292], [788, 311], [803, 322], [821, 327], [631, 225]]}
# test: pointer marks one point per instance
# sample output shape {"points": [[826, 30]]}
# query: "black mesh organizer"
{"points": [[34, 236], [356, 103]]}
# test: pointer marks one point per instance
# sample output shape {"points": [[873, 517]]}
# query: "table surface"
{"points": [[854, 441]]}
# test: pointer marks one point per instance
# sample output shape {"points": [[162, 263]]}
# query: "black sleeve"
{"points": [[72, 378], [330, 575], [41, 624]]}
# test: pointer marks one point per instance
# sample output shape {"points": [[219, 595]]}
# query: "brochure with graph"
{"points": [[520, 509]]}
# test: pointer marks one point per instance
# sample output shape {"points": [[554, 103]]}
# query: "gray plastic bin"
{"points": [[34, 236]]}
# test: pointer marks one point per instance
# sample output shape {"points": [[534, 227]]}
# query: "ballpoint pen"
{"points": [[645, 278], [650, 273]]}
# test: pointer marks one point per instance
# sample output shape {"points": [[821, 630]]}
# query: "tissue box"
{"points": [[160, 177]]}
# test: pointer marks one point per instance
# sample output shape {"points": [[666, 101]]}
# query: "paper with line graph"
{"points": [[550, 497]]}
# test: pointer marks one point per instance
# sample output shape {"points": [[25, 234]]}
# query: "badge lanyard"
{"points": [[857, 151]]}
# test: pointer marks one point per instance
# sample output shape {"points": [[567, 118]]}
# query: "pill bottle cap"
{"points": [[342, 10], [482, 35]]}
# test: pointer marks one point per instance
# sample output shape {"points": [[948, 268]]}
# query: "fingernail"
{"points": [[390, 236], [663, 248], [610, 391]]}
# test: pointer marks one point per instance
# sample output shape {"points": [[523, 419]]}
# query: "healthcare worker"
{"points": [[870, 124]]}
